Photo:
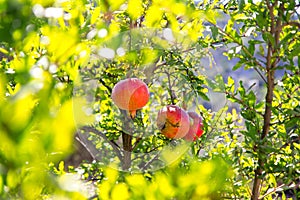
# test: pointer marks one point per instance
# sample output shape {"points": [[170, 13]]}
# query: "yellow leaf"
{"points": [[120, 192], [135, 9], [153, 16], [115, 4], [296, 145], [104, 189], [95, 15], [2, 50], [136, 180], [179, 9], [64, 127], [166, 187]]}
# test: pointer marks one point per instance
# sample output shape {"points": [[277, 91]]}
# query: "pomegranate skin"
{"points": [[173, 122], [196, 129], [130, 94]]}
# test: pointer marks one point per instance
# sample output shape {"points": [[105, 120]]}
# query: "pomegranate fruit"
{"points": [[196, 128], [130, 94], [173, 122]]}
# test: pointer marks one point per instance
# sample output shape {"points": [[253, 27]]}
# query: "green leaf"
{"points": [[242, 90], [295, 51], [238, 65], [268, 38], [252, 131], [1, 185], [214, 31], [251, 99], [115, 4], [217, 84], [261, 50], [241, 5], [251, 48], [248, 114], [261, 18], [203, 96], [297, 145]]}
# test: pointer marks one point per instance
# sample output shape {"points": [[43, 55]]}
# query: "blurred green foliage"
{"points": [[200, 180]]}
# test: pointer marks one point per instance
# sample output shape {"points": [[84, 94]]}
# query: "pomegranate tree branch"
{"points": [[275, 30], [127, 141], [245, 49], [171, 92], [89, 146], [150, 162]]}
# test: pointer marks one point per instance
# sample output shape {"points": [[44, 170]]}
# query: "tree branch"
{"points": [[149, 162], [247, 52], [127, 141], [116, 149], [270, 66]]}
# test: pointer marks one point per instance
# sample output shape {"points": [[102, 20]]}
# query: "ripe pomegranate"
{"points": [[196, 128], [130, 94], [173, 122]]}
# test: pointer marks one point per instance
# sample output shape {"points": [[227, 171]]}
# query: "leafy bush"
{"points": [[61, 59]]}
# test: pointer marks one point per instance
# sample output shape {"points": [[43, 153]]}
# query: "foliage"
{"points": [[173, 182], [269, 136], [61, 59]]}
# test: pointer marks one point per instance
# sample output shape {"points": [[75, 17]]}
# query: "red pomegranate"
{"points": [[130, 94], [173, 122], [196, 128]]}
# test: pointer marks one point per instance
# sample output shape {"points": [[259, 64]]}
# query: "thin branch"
{"points": [[93, 197], [291, 23], [105, 85], [150, 162], [112, 144], [246, 51], [214, 127], [87, 144], [170, 88], [137, 142], [242, 103], [157, 66]]}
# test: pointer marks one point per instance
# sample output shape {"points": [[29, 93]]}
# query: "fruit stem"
{"points": [[132, 113]]}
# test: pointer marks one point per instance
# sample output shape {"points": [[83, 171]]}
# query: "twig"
{"points": [[93, 197], [170, 88], [273, 190], [112, 144], [246, 51], [105, 85], [150, 161], [87, 144], [212, 129]]}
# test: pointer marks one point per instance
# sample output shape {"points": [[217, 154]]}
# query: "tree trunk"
{"points": [[127, 140], [127, 148], [271, 63]]}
